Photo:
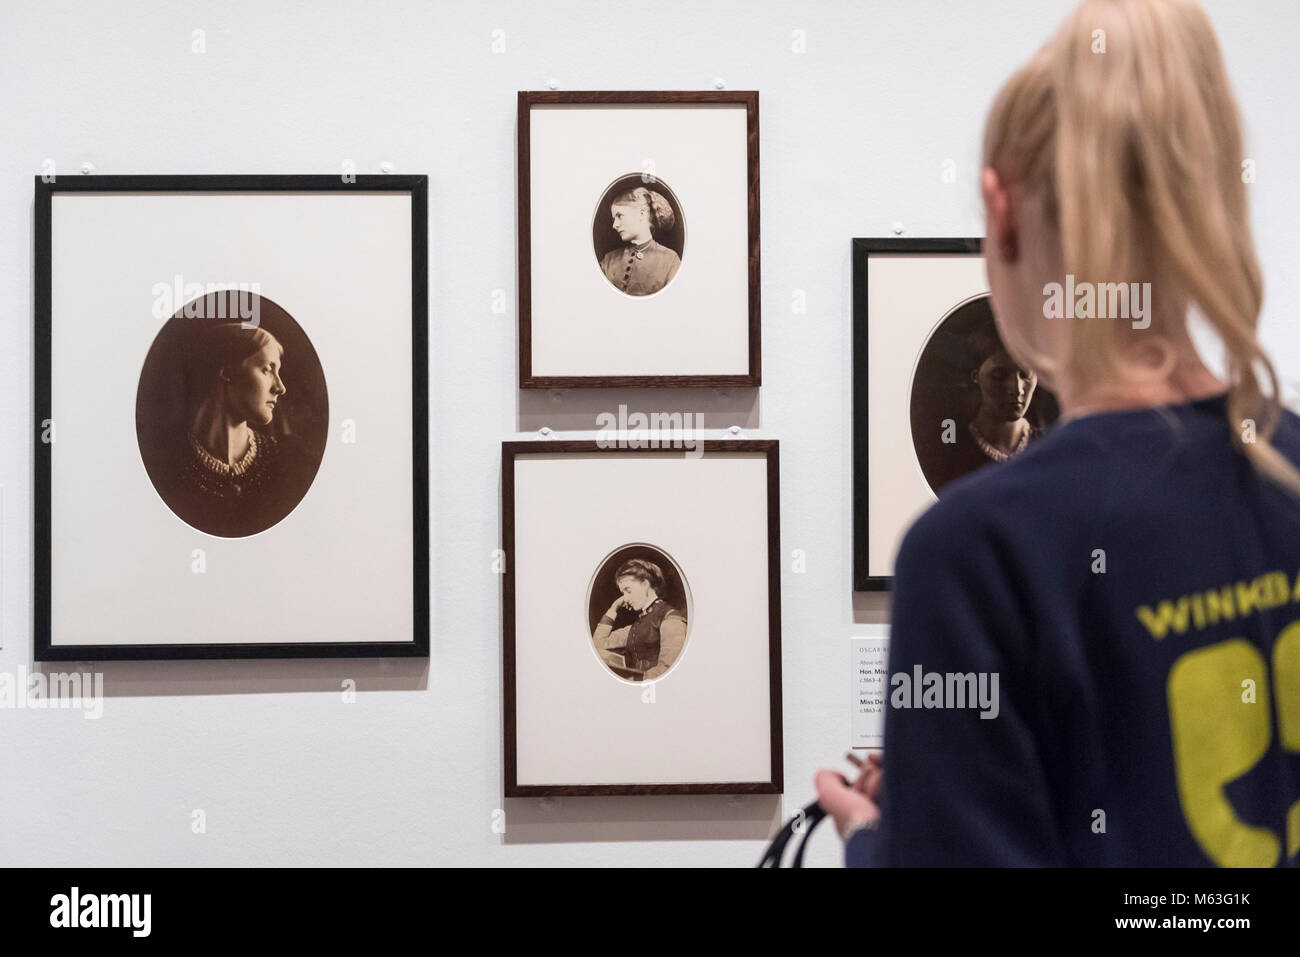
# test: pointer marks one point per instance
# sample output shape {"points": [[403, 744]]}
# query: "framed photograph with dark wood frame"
{"points": [[935, 394], [231, 417], [641, 615], [638, 239]]}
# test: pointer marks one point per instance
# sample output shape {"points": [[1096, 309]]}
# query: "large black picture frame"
{"points": [[863, 250], [45, 562]]}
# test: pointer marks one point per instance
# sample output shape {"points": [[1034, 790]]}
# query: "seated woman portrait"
{"points": [[642, 265], [646, 648]]}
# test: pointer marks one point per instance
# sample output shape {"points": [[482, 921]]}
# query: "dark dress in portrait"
{"points": [[640, 270], [641, 653], [256, 493], [964, 456]]}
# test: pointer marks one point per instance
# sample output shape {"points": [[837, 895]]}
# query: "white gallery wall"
{"points": [[863, 103]]}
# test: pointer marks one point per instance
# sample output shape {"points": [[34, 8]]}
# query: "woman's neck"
{"points": [[1187, 382], [1174, 371], [223, 438], [997, 430]]}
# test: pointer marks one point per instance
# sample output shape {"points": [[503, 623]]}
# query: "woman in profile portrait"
{"points": [[235, 470], [648, 647], [641, 266]]}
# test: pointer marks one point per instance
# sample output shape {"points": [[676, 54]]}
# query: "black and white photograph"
{"points": [[638, 239], [232, 413], [971, 403], [666, 679], [241, 364], [639, 235], [641, 633]]}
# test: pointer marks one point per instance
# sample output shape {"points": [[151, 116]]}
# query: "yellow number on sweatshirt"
{"points": [[1286, 677], [1218, 737]]}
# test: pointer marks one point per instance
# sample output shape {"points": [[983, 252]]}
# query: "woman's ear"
{"points": [[999, 216]]}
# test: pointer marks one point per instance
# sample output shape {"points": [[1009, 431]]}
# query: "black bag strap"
{"points": [[803, 823]]}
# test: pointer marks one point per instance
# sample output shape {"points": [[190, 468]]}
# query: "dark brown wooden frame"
{"points": [[509, 452], [529, 99], [864, 249]]}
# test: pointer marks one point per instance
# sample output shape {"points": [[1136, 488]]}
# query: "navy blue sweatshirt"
{"points": [[1134, 585]]}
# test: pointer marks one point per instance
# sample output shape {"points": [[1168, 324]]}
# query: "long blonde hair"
{"points": [[1125, 125]]}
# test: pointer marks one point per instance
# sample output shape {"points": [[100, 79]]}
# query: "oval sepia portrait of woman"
{"points": [[638, 234], [971, 404], [231, 414], [638, 607]]}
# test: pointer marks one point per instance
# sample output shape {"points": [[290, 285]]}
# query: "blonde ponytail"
{"points": [[1126, 123]]}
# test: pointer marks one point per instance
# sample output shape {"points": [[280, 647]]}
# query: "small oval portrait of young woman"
{"points": [[638, 234], [971, 404], [231, 414], [638, 609]]}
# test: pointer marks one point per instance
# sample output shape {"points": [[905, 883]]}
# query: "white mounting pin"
{"points": [[87, 168], [545, 432], [898, 229], [734, 430], [386, 167], [719, 83], [552, 84]]}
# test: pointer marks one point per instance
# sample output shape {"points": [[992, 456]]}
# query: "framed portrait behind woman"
{"points": [[936, 396], [642, 637], [638, 239], [232, 421]]}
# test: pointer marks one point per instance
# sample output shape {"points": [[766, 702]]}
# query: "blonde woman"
{"points": [[642, 265], [1083, 619]]}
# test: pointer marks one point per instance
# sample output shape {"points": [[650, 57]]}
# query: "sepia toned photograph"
{"points": [[639, 235], [663, 675], [231, 417], [609, 184], [640, 632], [971, 403], [935, 395], [232, 405]]}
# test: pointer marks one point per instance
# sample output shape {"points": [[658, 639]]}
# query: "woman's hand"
{"points": [[604, 634], [856, 803], [614, 608]]}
